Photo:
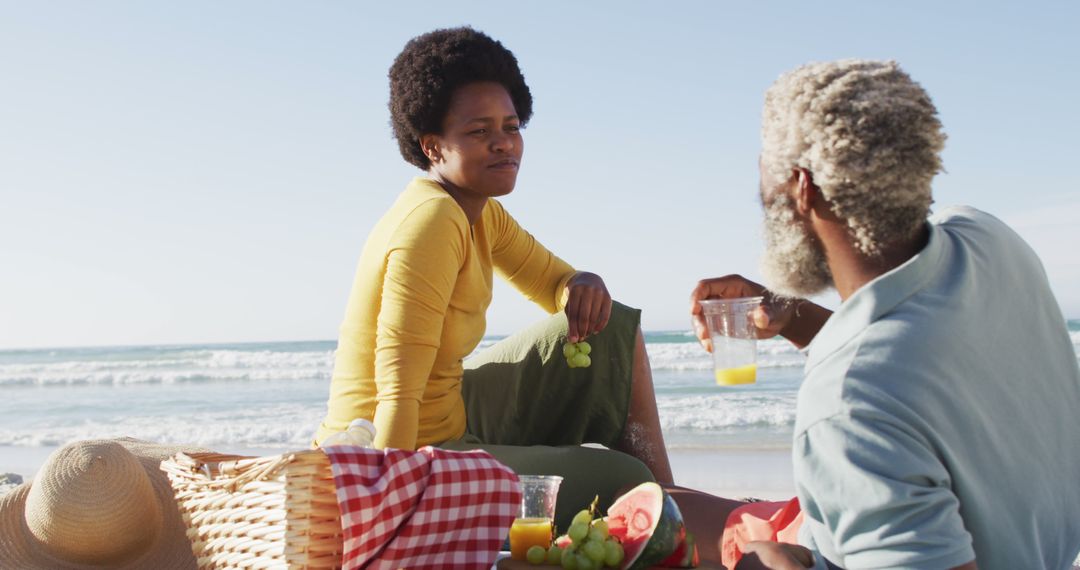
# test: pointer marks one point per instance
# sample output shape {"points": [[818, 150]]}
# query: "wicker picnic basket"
{"points": [[275, 512]]}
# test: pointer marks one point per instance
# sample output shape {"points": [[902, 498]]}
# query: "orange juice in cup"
{"points": [[534, 523], [528, 532], [734, 338]]}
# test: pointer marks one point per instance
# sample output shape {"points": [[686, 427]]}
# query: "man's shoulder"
{"points": [[895, 361], [960, 214], [874, 373], [976, 227], [825, 391]]}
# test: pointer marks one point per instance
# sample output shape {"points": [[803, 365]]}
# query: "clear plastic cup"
{"points": [[734, 339], [533, 527]]}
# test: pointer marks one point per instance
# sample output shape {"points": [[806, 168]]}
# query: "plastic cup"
{"points": [[533, 527], [734, 339]]}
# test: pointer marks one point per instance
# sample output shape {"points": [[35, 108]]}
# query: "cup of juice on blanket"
{"points": [[734, 339], [533, 525]]}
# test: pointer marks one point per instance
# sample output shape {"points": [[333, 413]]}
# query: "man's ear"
{"points": [[807, 193]]}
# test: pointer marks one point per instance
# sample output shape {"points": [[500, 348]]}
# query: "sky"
{"points": [[196, 172]]}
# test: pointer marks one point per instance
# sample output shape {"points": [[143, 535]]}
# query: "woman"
{"points": [[458, 103]]}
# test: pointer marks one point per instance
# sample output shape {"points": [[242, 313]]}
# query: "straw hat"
{"points": [[96, 504]]}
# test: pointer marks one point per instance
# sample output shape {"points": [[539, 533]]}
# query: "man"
{"points": [[937, 425]]}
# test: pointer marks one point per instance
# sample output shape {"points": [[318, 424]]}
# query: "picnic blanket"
{"points": [[424, 509]]}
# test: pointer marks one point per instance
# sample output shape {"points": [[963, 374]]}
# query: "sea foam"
{"points": [[274, 394]]}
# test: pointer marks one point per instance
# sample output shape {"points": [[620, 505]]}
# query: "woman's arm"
{"points": [[526, 264], [423, 259], [547, 280]]}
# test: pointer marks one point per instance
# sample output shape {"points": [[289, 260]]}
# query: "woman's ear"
{"points": [[429, 144]]}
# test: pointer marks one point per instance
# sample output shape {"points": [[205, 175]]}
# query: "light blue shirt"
{"points": [[939, 421]]}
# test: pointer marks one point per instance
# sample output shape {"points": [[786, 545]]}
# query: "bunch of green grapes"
{"points": [[577, 354], [586, 546]]}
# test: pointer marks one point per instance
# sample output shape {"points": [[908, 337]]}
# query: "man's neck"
{"points": [[851, 269]]}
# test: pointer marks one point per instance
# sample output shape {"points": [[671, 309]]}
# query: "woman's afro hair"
{"points": [[428, 71]]}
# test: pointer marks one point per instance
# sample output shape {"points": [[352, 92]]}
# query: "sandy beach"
{"points": [[764, 474]]}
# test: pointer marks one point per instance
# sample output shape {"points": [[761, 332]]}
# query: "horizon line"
{"points": [[496, 336]]}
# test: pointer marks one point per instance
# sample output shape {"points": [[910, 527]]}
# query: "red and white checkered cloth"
{"points": [[429, 508]]}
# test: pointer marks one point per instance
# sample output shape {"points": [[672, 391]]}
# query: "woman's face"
{"points": [[480, 147]]}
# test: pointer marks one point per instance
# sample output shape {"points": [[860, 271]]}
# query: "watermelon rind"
{"points": [[685, 555], [667, 533]]}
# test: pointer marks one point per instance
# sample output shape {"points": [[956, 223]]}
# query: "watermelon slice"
{"points": [[685, 556], [648, 524]]}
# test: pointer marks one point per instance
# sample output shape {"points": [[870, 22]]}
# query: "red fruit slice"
{"points": [[648, 524]]}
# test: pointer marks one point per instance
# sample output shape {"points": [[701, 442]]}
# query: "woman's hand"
{"points": [[588, 305], [769, 318]]}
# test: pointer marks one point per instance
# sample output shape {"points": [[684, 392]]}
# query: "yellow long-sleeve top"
{"points": [[417, 308]]}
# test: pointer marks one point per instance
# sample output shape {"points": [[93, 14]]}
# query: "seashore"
{"points": [[758, 473]]}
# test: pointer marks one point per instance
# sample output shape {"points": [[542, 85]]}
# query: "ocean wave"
{"points": [[729, 411], [285, 425], [691, 356], [181, 366], [225, 365], [187, 359], [292, 425], [672, 351], [123, 378]]}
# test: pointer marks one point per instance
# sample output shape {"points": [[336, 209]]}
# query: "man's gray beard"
{"points": [[794, 264]]}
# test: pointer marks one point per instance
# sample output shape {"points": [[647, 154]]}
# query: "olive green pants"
{"points": [[526, 407]]}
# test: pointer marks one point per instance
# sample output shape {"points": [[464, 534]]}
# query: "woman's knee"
{"points": [[626, 469]]}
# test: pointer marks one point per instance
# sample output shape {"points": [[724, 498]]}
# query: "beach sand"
{"points": [[764, 474], [735, 474]]}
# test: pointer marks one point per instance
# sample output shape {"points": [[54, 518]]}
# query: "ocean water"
{"points": [[273, 395]]}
